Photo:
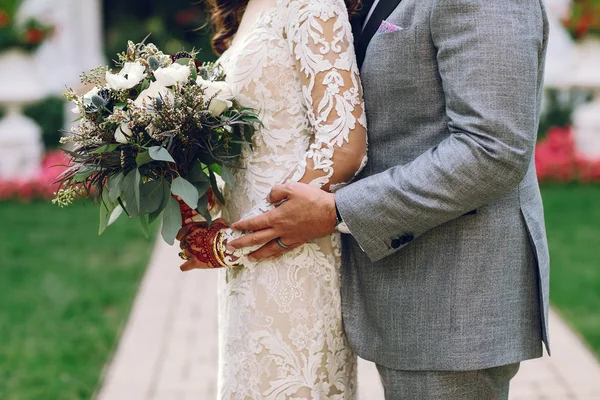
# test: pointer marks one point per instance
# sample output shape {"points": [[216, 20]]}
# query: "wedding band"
{"points": [[183, 256], [281, 244]]}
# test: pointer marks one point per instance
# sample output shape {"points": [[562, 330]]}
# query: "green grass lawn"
{"points": [[573, 223], [65, 293]]}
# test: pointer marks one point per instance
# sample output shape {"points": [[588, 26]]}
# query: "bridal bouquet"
{"points": [[152, 136]]}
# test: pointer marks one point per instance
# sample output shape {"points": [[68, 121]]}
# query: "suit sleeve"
{"points": [[489, 55]]}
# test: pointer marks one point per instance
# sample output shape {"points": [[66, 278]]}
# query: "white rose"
{"points": [[173, 74], [218, 106], [123, 133], [212, 88], [130, 75], [154, 90]]}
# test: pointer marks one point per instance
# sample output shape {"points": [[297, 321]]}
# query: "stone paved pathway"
{"points": [[168, 350]]}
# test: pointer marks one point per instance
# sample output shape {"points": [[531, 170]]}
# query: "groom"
{"points": [[445, 274]]}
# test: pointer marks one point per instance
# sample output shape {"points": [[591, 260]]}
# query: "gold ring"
{"points": [[183, 256]]}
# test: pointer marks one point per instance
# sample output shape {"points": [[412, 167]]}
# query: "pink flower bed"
{"points": [[557, 160], [43, 187]]}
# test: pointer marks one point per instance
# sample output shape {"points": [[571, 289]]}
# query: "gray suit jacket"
{"points": [[447, 267]]}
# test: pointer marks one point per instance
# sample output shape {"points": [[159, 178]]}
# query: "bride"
{"points": [[281, 334]]}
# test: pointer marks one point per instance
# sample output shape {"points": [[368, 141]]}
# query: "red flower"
{"points": [[556, 160], [183, 18], [43, 186], [34, 36], [4, 19], [583, 25]]}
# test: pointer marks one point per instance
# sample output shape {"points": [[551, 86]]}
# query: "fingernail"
{"points": [[252, 258], [230, 247]]}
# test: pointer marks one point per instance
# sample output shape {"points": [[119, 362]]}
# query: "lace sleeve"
{"points": [[320, 38]]}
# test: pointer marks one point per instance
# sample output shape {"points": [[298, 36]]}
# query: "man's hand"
{"points": [[305, 213]]}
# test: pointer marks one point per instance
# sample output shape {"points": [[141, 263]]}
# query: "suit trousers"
{"points": [[483, 384]]}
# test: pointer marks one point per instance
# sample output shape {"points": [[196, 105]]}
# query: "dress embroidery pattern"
{"points": [[281, 334]]}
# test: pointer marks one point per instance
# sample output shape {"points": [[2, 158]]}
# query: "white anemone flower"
{"points": [[173, 74], [87, 98], [128, 77], [154, 90]]}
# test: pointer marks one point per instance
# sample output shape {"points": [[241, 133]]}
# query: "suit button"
{"points": [[402, 240]]}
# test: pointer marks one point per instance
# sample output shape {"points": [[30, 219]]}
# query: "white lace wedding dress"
{"points": [[281, 334]]}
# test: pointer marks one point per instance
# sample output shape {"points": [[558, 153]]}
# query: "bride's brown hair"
{"points": [[225, 16]]}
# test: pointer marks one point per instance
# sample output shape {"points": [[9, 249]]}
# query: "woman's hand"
{"points": [[199, 245]]}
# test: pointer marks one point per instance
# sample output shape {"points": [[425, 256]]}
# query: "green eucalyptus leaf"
{"points": [[115, 186], [107, 148], [166, 194], [253, 119], [119, 106], [136, 188], [203, 209], [171, 221], [184, 189], [202, 188], [145, 227], [131, 192], [151, 196], [227, 175], [159, 153], [155, 215], [116, 213], [248, 132], [183, 61], [106, 208], [196, 173], [215, 187], [82, 176], [104, 216], [123, 206], [145, 85], [143, 158]]}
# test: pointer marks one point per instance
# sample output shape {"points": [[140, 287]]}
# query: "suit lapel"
{"points": [[381, 12]]}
